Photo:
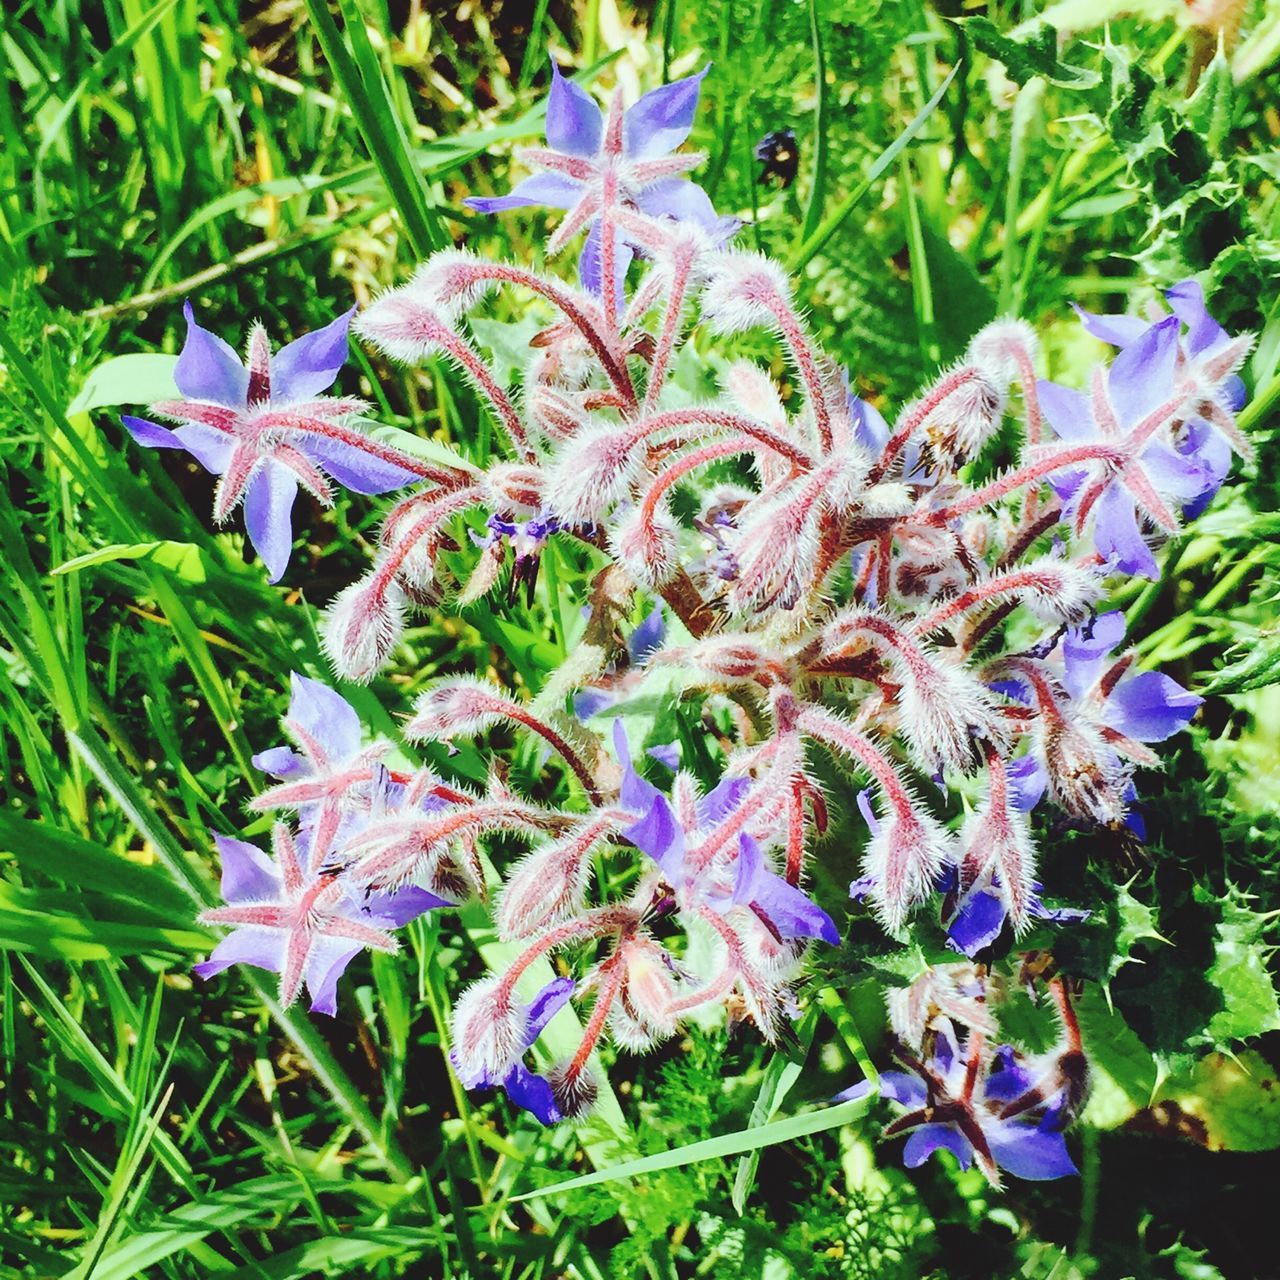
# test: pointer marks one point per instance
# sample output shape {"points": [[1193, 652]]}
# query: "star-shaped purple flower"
{"points": [[525, 1088], [291, 918], [971, 1114], [263, 425], [589, 160], [785, 910]]}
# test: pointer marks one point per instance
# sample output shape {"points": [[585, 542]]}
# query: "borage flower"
{"points": [[290, 917], [264, 427], [592, 163]]}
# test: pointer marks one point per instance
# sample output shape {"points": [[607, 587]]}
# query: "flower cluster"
{"points": [[917, 598]]}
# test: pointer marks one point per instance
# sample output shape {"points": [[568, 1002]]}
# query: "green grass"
{"points": [[274, 162]]}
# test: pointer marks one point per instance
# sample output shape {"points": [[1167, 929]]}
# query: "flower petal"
{"points": [[647, 638], [262, 948], [1085, 650], [545, 1005], [661, 120], [590, 263], [267, 507], [1151, 706], [791, 911], [326, 963], [680, 199], [326, 716], [280, 762], [575, 123], [929, 1138], [1118, 538], [1119, 331], [1141, 376], [1037, 1155], [208, 369], [1186, 300], [151, 434], [545, 190], [977, 922], [248, 874], [308, 365], [211, 448], [532, 1093]]}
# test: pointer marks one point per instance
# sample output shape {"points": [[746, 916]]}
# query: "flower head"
{"points": [[264, 426]]}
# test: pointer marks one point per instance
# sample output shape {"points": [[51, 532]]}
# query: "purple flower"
{"points": [[585, 152], [1146, 706], [522, 1086], [975, 1115], [527, 539], [785, 911], [263, 425], [1145, 468], [291, 918]]}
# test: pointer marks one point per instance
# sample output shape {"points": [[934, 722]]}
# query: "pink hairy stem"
{"points": [[440, 509], [802, 353], [564, 302], [595, 923], [682, 260], [830, 729], [722, 418], [612, 972], [1014, 480], [915, 418], [989, 591]]}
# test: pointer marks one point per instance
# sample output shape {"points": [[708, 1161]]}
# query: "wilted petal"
{"points": [[326, 716], [208, 369], [667, 753], [575, 123], [661, 120], [929, 1138], [1141, 376], [1151, 707], [309, 364], [659, 835], [545, 190], [899, 1087], [268, 504]]}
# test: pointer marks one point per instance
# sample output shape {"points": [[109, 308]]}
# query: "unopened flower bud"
{"points": [[593, 473], [362, 626], [647, 547], [401, 326], [641, 1016], [744, 291], [575, 1090], [549, 884], [1001, 348], [902, 860], [462, 705], [451, 282], [488, 1032]]}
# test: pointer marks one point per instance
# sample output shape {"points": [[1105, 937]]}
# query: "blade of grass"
{"points": [[818, 183], [811, 245]]}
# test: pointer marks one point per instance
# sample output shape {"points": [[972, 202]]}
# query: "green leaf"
{"points": [[1209, 111], [507, 342], [1240, 971], [138, 378], [729, 1144], [1035, 55], [1259, 667], [182, 558], [1124, 1070], [1227, 1103]]}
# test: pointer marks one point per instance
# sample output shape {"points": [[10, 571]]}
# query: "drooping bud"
{"points": [[743, 291], [946, 713], [549, 884], [901, 861], [451, 282], [647, 545], [996, 842], [594, 473], [1059, 590], [461, 705], [1086, 777], [402, 327], [362, 626], [641, 1016], [574, 1088], [962, 422], [488, 1032], [943, 991], [1003, 348]]}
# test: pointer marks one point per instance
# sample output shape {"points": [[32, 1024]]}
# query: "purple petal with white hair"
{"points": [[590, 265], [208, 369]]}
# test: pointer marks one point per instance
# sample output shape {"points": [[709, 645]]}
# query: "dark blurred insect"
{"points": [[780, 156]]}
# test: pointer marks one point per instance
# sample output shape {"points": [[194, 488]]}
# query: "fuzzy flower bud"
{"points": [[402, 326], [451, 282], [488, 1032], [1002, 348], [595, 472], [647, 545], [901, 861], [463, 706], [743, 291], [548, 885], [363, 625], [575, 1090]]}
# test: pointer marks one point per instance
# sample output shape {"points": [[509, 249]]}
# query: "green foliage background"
{"points": [[270, 160]]}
